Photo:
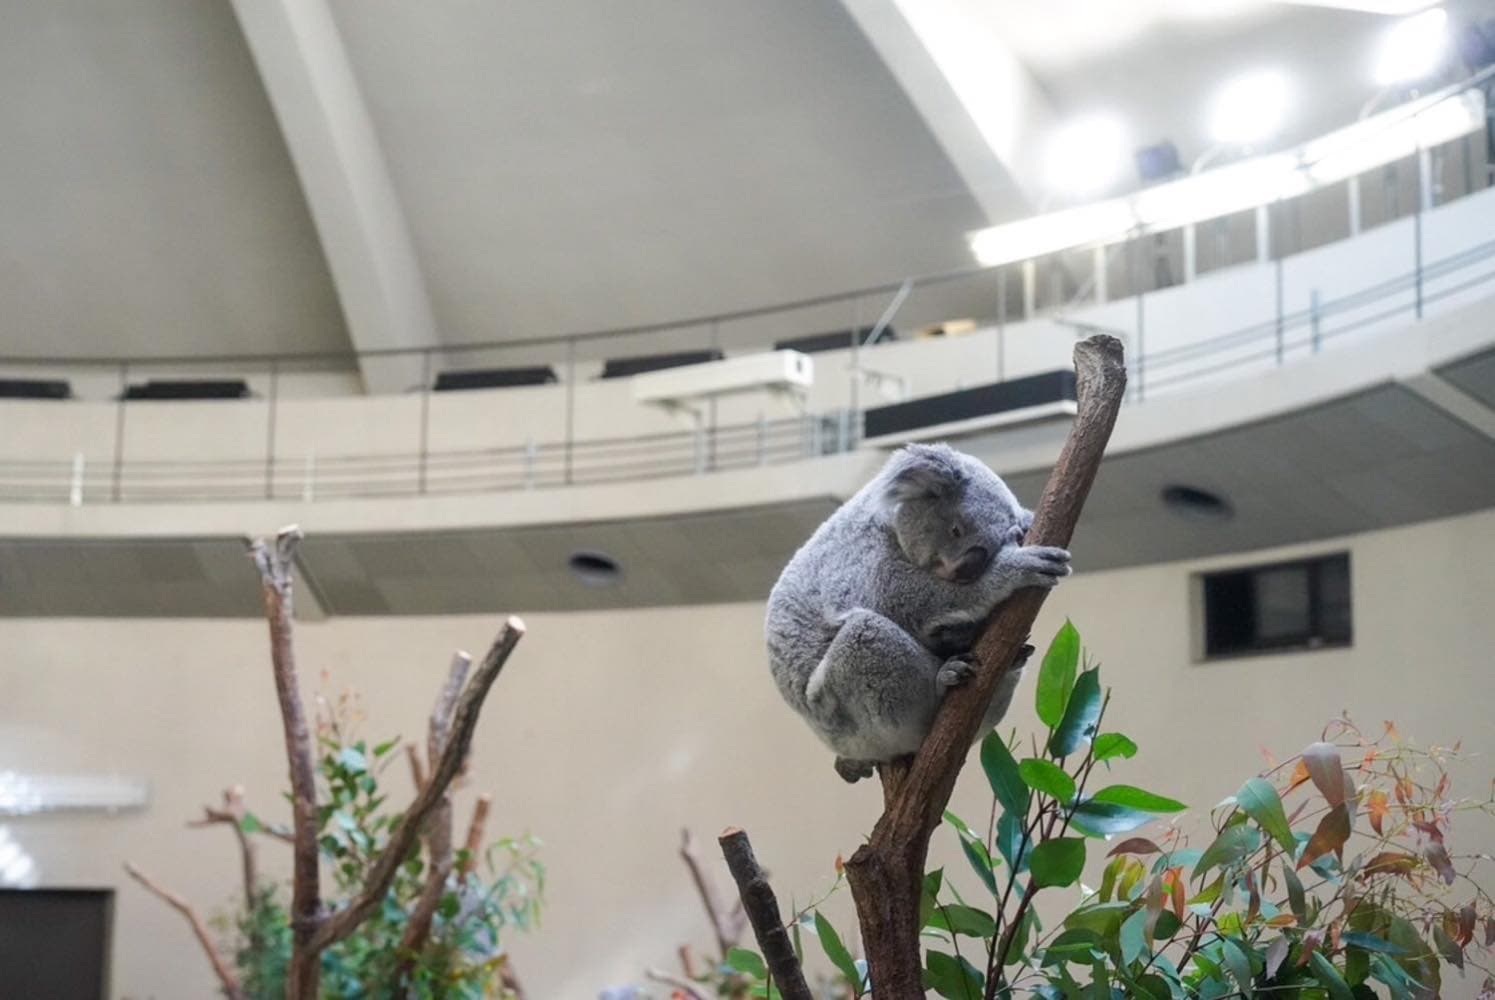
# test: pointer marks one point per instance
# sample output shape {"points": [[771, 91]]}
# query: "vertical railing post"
{"points": [[570, 409], [853, 390], [309, 478], [711, 406], [116, 475], [1313, 319], [698, 448], [1134, 273], [762, 438], [425, 420], [75, 488], [1424, 199], [1002, 323], [530, 455], [270, 429], [1277, 277]]}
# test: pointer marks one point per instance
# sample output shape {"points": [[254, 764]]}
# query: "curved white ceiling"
{"points": [[150, 206]]}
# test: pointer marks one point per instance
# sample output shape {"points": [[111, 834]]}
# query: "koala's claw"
{"points": [[1021, 659], [956, 671], [852, 771]]}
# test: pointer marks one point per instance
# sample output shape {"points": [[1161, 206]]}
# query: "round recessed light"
{"points": [[595, 569], [1197, 504]]}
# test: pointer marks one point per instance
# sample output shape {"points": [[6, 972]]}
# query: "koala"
{"points": [[874, 618]]}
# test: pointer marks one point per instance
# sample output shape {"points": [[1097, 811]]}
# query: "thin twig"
{"points": [[674, 982], [474, 844], [464, 722], [764, 914], [226, 978], [232, 814], [727, 925]]}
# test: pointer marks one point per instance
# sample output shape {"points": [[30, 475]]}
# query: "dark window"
{"points": [[1293, 605]]}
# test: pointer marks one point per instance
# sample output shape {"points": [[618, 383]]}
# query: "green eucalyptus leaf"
{"points": [[952, 978], [1110, 745], [1238, 961], [1056, 678], [1103, 819], [748, 962], [1133, 937], [1136, 798], [1233, 844], [1058, 862], [1009, 842], [1048, 778], [836, 951], [981, 862], [1002, 773], [1074, 944], [929, 895], [1260, 801], [1081, 715], [353, 760], [967, 920], [1296, 899], [1329, 977]]}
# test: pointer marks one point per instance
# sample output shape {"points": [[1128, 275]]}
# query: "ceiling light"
{"points": [[595, 569], [1413, 49], [1085, 156], [1197, 504], [1250, 107]]}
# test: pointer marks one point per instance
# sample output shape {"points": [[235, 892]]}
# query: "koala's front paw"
{"points": [[1041, 565], [1019, 530], [956, 671], [852, 771]]}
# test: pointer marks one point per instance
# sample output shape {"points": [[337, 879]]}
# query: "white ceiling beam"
{"points": [[980, 101], [344, 175]]}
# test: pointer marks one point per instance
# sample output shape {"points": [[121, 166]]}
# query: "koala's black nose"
{"points": [[972, 564]]}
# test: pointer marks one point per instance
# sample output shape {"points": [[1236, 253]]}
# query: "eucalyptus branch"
{"points": [[226, 978]]}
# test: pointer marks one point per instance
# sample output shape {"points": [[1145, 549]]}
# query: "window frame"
{"points": [[1313, 639]]}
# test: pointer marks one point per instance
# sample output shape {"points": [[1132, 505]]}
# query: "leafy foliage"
{"points": [[1328, 876], [462, 957]]}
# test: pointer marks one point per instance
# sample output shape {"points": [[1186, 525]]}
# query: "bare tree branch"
{"points": [[763, 913], [417, 766], [439, 829], [464, 721], [232, 814], [886, 872], [276, 565], [727, 925], [226, 978], [474, 844]]}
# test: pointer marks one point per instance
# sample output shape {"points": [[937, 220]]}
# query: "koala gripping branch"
{"points": [[886, 872]]}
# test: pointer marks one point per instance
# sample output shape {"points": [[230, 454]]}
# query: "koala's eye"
{"points": [[955, 531]]}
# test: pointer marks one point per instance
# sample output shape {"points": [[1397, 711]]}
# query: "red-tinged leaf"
{"points": [[1333, 830], [1300, 775], [1437, 856], [1442, 787], [1311, 943], [1389, 863], [1378, 808], [1177, 890], [1404, 790], [1490, 932], [1452, 953], [1327, 771], [1391, 731], [1253, 909], [1431, 829], [1276, 955], [1134, 845], [1283, 920]]}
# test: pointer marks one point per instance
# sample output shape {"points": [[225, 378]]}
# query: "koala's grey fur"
{"points": [[874, 618]]}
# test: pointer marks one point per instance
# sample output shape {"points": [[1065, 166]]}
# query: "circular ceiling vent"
{"points": [[595, 569], [1197, 504]]}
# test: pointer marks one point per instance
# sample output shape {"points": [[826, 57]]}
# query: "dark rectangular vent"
{"points": [[55, 942], [35, 388], [493, 378], [623, 367], [226, 388], [968, 404], [1304, 604], [839, 340]]}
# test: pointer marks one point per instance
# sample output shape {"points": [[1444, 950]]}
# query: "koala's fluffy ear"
{"points": [[923, 471]]}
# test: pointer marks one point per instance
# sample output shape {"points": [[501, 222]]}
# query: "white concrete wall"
{"points": [[610, 731]]}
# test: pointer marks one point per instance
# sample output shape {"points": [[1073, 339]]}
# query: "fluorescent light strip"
{"points": [[1387, 137], [22, 794]]}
